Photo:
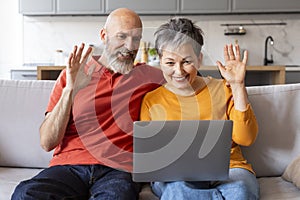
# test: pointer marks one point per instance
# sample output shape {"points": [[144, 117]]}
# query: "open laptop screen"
{"points": [[188, 150]]}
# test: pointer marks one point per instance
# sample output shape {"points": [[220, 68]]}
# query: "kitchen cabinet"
{"points": [[254, 6], [37, 7], [292, 77], [292, 74], [156, 7], [205, 6], [23, 74], [61, 7], [144, 6], [74, 7], [36, 73]]}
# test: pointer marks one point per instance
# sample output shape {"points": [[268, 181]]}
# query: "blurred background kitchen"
{"points": [[33, 31]]}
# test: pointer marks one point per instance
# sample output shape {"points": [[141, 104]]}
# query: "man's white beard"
{"points": [[117, 66]]}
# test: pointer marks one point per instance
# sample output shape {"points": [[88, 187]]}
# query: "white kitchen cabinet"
{"points": [[255, 6], [292, 77], [205, 6], [61, 7], [37, 7], [74, 7], [23, 74], [145, 6], [292, 74], [156, 7]]}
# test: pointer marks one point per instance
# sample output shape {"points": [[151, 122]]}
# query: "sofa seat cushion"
{"points": [[276, 188], [11, 177]]}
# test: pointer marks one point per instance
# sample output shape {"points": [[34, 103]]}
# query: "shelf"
{"points": [[49, 72]]}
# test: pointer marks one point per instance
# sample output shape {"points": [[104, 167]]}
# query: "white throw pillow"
{"points": [[292, 172]]}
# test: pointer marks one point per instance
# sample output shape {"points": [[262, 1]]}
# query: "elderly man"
{"points": [[89, 119]]}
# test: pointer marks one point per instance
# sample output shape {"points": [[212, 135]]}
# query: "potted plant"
{"points": [[153, 58]]}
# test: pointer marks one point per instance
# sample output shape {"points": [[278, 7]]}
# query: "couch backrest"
{"points": [[23, 105], [277, 108]]}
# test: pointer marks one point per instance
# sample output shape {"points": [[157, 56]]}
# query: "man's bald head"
{"points": [[124, 17]]}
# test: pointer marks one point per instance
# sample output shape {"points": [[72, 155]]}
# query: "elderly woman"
{"points": [[188, 96]]}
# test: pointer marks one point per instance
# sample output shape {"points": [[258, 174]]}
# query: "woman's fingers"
{"points": [[238, 53], [226, 55], [220, 66], [245, 58], [231, 53]]}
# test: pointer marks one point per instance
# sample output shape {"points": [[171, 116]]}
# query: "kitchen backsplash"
{"points": [[44, 35]]}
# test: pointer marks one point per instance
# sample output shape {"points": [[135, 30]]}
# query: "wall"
{"points": [[31, 40], [11, 39], [42, 35]]}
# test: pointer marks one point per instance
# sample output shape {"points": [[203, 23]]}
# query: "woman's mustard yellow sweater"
{"points": [[214, 101]]}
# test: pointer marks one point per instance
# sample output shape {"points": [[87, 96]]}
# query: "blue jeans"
{"points": [[241, 185], [79, 182]]}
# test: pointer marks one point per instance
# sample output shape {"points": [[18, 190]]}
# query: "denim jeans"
{"points": [[241, 185], [79, 182]]}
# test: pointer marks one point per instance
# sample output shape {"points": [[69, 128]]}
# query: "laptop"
{"points": [[188, 150]]}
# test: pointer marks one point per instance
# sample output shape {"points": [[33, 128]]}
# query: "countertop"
{"points": [[252, 68], [30, 66], [262, 68], [22, 68]]}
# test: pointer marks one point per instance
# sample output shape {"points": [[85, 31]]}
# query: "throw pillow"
{"points": [[292, 172]]}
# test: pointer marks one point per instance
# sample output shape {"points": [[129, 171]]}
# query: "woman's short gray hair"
{"points": [[176, 32]]}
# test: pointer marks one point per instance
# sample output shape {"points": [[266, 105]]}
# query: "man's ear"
{"points": [[103, 35]]}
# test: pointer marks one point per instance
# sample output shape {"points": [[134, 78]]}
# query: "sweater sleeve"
{"points": [[245, 126], [145, 113]]}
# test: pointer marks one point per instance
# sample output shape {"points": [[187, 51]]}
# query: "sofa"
{"points": [[274, 155]]}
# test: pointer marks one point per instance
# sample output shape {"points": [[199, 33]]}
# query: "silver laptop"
{"points": [[190, 150]]}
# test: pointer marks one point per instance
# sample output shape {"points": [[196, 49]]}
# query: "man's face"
{"points": [[121, 48]]}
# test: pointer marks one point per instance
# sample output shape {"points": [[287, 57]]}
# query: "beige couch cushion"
{"points": [[292, 172], [23, 105], [277, 109]]}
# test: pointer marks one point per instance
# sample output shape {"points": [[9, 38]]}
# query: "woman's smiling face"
{"points": [[180, 66]]}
